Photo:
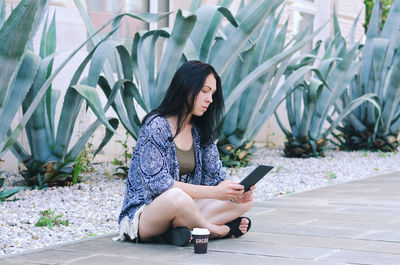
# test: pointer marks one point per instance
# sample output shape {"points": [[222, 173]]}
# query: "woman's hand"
{"points": [[245, 197], [227, 189]]}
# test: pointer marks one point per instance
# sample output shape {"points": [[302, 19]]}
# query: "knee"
{"points": [[178, 199]]}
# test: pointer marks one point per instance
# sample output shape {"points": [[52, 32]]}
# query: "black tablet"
{"points": [[255, 176]]}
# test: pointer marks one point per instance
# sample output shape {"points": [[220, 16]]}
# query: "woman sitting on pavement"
{"points": [[176, 181]]}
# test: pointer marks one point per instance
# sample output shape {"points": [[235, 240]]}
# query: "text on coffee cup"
{"points": [[201, 240]]}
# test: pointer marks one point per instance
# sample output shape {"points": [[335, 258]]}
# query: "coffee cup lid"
{"points": [[200, 231]]}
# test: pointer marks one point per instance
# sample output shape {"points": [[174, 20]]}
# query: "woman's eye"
{"points": [[207, 90]]}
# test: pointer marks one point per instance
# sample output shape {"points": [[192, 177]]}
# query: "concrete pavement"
{"points": [[351, 223]]}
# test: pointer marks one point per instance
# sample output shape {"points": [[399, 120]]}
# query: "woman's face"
{"points": [[204, 98]]}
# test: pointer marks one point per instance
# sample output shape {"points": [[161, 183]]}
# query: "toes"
{"points": [[226, 231], [244, 225]]}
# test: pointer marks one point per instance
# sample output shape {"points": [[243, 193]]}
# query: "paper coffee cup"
{"points": [[200, 240]]}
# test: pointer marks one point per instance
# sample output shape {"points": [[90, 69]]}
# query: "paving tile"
{"points": [[104, 260], [301, 206], [293, 198], [107, 260], [362, 225], [16, 261], [326, 214], [222, 258], [159, 251], [335, 197], [257, 210], [308, 230], [363, 257], [107, 237], [390, 236], [269, 249], [127, 248], [373, 210], [92, 246], [324, 242], [47, 257], [372, 203], [276, 219]]}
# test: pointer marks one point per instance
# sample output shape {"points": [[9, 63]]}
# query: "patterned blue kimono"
{"points": [[154, 166]]}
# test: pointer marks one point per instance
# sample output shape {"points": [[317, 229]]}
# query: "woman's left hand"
{"points": [[245, 197]]}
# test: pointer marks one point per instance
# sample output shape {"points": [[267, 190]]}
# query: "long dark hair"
{"points": [[179, 99]]}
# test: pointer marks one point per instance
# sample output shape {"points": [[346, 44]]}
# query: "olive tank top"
{"points": [[186, 160]]}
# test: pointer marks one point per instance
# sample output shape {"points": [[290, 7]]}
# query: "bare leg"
{"points": [[174, 207], [220, 212]]}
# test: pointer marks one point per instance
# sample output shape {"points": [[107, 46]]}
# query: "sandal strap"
{"points": [[234, 227]]}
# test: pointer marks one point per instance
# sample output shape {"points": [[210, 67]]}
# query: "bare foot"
{"points": [[217, 231], [244, 224]]}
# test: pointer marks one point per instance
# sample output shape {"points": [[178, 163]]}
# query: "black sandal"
{"points": [[234, 227], [178, 236]]}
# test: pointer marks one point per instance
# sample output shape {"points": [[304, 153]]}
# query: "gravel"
{"points": [[92, 207]]}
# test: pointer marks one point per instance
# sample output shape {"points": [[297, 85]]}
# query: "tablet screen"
{"points": [[255, 176]]}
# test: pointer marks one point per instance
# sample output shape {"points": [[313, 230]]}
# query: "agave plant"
{"points": [[254, 77], [22, 66], [18, 66], [52, 158], [126, 84], [368, 127], [200, 35], [22, 70], [6, 193], [311, 106]]}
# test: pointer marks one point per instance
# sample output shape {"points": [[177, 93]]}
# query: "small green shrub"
{"points": [[85, 158], [384, 6], [279, 168], [122, 161], [331, 175], [108, 172], [286, 192], [383, 154], [83, 163], [50, 219], [234, 157], [290, 191]]}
